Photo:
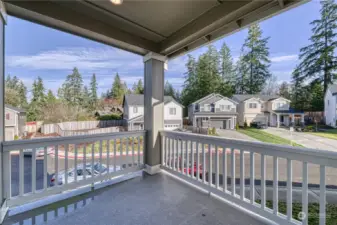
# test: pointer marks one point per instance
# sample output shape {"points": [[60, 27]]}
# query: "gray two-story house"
{"points": [[213, 110], [15, 119]]}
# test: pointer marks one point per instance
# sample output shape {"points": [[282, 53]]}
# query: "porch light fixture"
{"points": [[116, 2]]}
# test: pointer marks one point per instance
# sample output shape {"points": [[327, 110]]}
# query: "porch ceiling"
{"points": [[167, 27]]}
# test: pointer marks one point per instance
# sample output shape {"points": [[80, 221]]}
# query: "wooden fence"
{"points": [[82, 127]]}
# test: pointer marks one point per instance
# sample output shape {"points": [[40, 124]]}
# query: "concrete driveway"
{"points": [[305, 139], [233, 134]]}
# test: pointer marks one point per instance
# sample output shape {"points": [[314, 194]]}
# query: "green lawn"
{"points": [[330, 133], [266, 137]]}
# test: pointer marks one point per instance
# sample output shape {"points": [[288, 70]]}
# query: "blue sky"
{"points": [[32, 50]]}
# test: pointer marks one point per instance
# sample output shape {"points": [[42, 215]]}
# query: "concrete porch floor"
{"points": [[158, 199]]}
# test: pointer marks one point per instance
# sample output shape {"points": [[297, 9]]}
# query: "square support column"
{"points": [[3, 179], [278, 120], [153, 109]]}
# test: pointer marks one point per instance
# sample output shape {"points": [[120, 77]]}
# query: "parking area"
{"points": [[233, 134], [307, 140]]}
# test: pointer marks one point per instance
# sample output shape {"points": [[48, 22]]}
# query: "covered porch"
{"points": [[157, 31], [286, 118]]}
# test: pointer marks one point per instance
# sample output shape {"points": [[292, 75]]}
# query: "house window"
{"points": [[225, 107], [207, 107], [135, 110], [196, 107], [7, 116], [172, 111], [262, 106], [252, 105]]}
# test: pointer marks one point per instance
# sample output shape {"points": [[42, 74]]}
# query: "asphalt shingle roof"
{"points": [[240, 98], [137, 99], [15, 108]]}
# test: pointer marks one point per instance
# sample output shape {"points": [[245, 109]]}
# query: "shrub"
{"points": [[109, 117], [237, 126], [245, 125], [16, 137], [214, 131]]}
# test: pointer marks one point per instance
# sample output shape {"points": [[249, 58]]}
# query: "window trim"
{"points": [[251, 104], [135, 109], [174, 110]]}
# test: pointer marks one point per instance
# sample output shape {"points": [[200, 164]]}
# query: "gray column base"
{"points": [[152, 170], [3, 211]]}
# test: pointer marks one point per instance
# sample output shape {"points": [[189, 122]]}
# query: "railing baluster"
{"points": [[322, 197], [169, 153], [174, 153], [45, 168], [275, 185], [252, 178], [66, 157], [233, 171], [100, 157], [305, 193], [115, 150], [242, 174], [210, 175], [263, 181], [217, 167], [92, 159], [33, 170], [85, 161], [203, 164], [187, 158], [182, 156], [192, 159], [289, 190], [56, 165], [224, 168], [108, 155], [143, 153], [198, 161], [163, 151], [75, 164], [133, 151], [21, 171], [178, 155], [7, 174]]}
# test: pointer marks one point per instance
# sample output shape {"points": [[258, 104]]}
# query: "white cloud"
{"points": [[83, 58], [283, 58]]}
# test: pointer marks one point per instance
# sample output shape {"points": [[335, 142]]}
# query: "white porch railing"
{"points": [[187, 156], [47, 169]]}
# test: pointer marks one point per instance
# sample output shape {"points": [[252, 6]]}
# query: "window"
{"points": [[135, 110], [196, 107], [252, 105], [262, 106], [207, 107], [225, 107], [7, 116], [172, 111]]}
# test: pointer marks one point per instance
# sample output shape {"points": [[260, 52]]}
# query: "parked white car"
{"points": [[81, 170]]}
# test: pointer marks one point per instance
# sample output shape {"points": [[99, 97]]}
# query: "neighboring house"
{"points": [[15, 119], [270, 110], [330, 106], [214, 110], [133, 105]]}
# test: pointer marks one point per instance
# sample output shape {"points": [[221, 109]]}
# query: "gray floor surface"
{"points": [[158, 199]]}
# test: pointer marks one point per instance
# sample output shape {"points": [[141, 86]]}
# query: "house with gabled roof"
{"points": [[133, 107], [213, 111], [330, 106], [271, 110]]}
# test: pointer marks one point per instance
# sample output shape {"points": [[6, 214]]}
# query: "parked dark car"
{"points": [[258, 125]]}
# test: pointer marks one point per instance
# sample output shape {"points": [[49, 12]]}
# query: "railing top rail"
{"points": [[317, 156], [33, 143]]}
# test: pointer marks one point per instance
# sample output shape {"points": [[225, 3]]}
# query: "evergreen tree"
{"points": [[226, 66], [16, 90], [72, 88], [38, 101], [189, 86], [118, 88], [318, 63], [169, 90], [50, 98], [242, 77], [86, 98], [138, 87], [256, 56], [93, 92], [317, 97]]}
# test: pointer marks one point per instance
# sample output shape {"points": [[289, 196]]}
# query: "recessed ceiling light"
{"points": [[116, 2]]}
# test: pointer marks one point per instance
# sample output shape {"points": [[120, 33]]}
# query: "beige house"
{"points": [[271, 110], [15, 119]]}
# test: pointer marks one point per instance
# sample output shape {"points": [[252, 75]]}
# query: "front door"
{"points": [[225, 124]]}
